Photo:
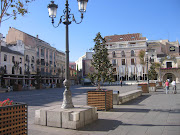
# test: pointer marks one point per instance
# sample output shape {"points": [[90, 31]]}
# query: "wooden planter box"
{"points": [[17, 87], [160, 84], [13, 119], [144, 87], [103, 100], [58, 85], [152, 86]]}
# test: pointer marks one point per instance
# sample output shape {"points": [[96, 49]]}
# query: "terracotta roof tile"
{"points": [[126, 37]]}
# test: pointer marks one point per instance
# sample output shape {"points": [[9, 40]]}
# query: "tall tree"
{"points": [[11, 8], [152, 71], [141, 57], [100, 62]]}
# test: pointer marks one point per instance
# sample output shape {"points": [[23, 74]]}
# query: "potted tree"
{"points": [[16, 86], [102, 99], [144, 86], [38, 79]]}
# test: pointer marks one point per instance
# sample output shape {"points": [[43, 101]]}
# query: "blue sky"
{"points": [[155, 19]]}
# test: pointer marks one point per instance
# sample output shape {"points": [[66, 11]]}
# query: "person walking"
{"points": [[166, 85], [121, 82], [174, 86]]}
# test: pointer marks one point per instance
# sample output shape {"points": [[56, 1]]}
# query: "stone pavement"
{"points": [[154, 113]]}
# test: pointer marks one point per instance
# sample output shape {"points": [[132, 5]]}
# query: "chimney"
{"points": [[37, 36]]}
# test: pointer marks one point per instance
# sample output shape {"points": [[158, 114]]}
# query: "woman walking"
{"points": [[167, 86]]}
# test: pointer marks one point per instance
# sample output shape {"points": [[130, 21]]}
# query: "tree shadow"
{"points": [[102, 125], [137, 100], [107, 125]]}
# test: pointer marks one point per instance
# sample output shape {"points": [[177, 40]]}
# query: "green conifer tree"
{"points": [[103, 67]]}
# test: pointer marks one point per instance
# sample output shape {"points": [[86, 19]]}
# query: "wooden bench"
{"points": [[125, 97]]}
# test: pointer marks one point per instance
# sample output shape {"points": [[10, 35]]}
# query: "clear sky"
{"points": [[155, 19]]}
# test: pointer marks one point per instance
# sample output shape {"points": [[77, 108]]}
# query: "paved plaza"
{"points": [[154, 113]]}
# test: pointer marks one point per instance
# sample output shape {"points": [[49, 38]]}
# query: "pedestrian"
{"points": [[166, 85], [174, 86], [121, 82]]}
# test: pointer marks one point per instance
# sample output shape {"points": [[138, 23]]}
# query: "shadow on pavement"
{"points": [[130, 110], [102, 125], [42, 97]]}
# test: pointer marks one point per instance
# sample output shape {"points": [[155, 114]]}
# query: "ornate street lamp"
{"points": [[68, 18]]}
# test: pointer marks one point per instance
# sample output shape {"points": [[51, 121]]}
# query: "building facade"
{"points": [[168, 55], [123, 53], [40, 58]]}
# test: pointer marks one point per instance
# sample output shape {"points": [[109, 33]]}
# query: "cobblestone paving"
{"points": [[155, 113]]}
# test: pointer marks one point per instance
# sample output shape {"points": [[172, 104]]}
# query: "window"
{"points": [[132, 53], [20, 60], [5, 57], [123, 54], [13, 59], [109, 39], [27, 57], [32, 59], [12, 70], [121, 38], [133, 37], [42, 52], [151, 59], [5, 69], [25, 66], [114, 62], [20, 70], [168, 64], [132, 62], [123, 62], [38, 52], [114, 54]]}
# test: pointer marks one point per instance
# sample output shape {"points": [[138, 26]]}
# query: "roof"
{"points": [[125, 37], [33, 37], [6, 49]]}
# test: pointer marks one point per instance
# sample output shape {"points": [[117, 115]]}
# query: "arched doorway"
{"points": [[169, 76]]}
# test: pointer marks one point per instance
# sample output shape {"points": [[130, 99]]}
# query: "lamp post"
{"points": [[52, 8], [147, 68], [28, 72]]}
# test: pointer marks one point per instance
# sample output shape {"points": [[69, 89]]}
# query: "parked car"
{"points": [[86, 81]]}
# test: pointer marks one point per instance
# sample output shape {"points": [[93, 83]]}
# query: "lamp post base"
{"points": [[67, 97]]}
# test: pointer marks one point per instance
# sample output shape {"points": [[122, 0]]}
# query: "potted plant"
{"points": [[102, 99], [13, 118], [144, 87]]}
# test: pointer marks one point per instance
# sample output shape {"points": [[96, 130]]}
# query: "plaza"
{"points": [[154, 113]]}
